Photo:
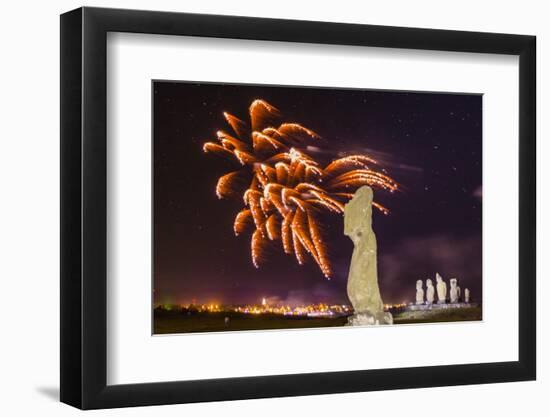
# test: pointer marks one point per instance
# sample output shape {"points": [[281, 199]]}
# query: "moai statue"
{"points": [[441, 289], [419, 292], [430, 292], [466, 295], [363, 290], [454, 292]]}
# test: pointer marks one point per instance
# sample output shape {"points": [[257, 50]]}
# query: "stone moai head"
{"points": [[453, 282], [419, 284], [429, 283], [358, 211]]}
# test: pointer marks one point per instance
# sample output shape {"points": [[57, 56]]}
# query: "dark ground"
{"points": [[439, 316], [167, 322]]}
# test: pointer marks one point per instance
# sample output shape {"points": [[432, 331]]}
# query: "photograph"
{"points": [[260, 206], [284, 207]]}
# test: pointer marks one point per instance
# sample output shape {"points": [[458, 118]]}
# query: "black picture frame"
{"points": [[84, 197]]}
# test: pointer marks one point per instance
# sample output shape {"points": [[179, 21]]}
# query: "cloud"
{"points": [[420, 258], [478, 193], [325, 292]]}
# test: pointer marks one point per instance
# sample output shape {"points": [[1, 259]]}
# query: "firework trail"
{"points": [[288, 189]]}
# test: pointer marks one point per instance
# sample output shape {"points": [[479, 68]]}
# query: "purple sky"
{"points": [[430, 143]]}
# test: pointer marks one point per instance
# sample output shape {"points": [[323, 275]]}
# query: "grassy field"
{"points": [[166, 322], [175, 322], [438, 316]]}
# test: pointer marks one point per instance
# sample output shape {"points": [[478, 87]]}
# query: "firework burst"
{"points": [[288, 189]]}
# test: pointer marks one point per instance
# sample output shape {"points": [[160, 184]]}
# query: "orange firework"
{"points": [[288, 188]]}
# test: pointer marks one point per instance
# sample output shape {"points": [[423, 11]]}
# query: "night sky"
{"points": [[430, 143]]}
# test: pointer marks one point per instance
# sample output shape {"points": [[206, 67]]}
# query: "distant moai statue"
{"points": [[419, 292], [454, 292], [466, 295], [441, 289], [430, 292]]}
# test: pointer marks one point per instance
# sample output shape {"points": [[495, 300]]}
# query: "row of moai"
{"points": [[441, 287]]}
